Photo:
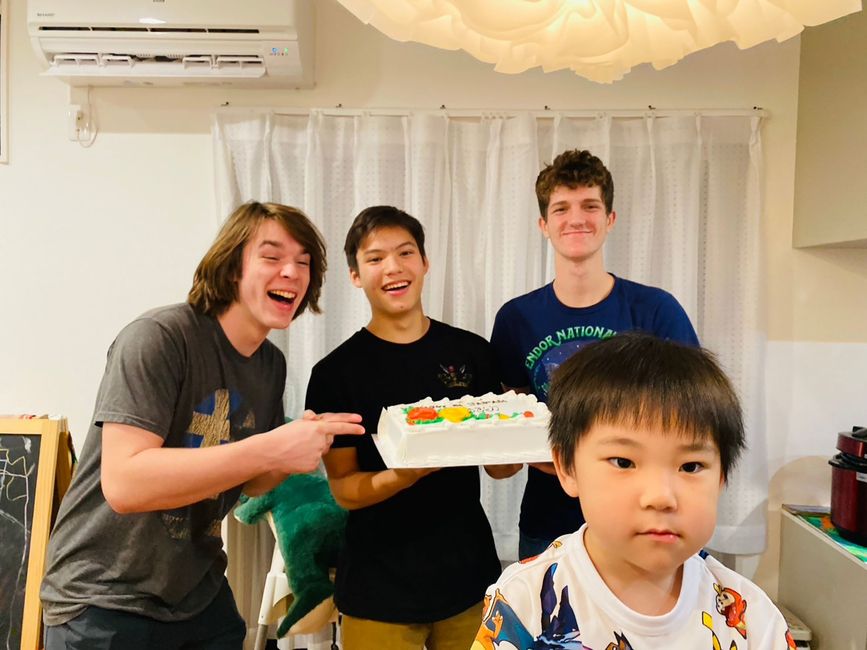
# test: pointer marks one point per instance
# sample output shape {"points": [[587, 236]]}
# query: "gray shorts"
{"points": [[218, 627]]}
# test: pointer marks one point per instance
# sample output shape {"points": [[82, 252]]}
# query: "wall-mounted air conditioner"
{"points": [[256, 43]]}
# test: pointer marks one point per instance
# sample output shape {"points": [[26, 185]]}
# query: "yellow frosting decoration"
{"points": [[455, 413]]}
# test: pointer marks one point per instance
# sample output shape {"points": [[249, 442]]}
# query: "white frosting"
{"points": [[491, 440]]}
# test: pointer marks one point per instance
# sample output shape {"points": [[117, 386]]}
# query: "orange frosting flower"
{"points": [[421, 414]]}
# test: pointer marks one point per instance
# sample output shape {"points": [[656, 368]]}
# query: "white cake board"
{"points": [[386, 450]]}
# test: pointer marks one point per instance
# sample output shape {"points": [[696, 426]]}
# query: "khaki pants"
{"points": [[455, 633]]}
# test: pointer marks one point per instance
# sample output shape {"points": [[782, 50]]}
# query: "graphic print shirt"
{"points": [[559, 600], [174, 373], [535, 333]]}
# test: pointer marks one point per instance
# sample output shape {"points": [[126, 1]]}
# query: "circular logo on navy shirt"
{"points": [[550, 361]]}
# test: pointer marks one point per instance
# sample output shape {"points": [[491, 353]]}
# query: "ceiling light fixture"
{"points": [[598, 39]]}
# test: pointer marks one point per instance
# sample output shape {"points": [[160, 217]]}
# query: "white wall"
{"points": [[89, 238]]}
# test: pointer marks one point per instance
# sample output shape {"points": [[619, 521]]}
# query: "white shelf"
{"points": [[822, 584]]}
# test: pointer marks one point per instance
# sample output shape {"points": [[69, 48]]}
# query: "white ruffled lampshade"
{"points": [[598, 39]]}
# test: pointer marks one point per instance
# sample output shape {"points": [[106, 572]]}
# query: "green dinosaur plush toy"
{"points": [[310, 527]]}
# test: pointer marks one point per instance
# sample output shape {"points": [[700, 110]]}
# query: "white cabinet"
{"points": [[824, 585], [831, 156]]}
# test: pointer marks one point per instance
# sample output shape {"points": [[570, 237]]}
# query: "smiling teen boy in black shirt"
{"points": [[419, 549]]}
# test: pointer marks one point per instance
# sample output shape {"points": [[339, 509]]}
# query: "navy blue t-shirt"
{"points": [[535, 333]]}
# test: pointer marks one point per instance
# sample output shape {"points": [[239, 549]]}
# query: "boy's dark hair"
{"points": [[380, 216], [638, 380], [215, 282], [574, 168]]}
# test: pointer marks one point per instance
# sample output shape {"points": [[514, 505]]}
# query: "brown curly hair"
{"points": [[574, 168]]}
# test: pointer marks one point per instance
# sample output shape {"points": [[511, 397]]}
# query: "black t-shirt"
{"points": [[426, 553]]}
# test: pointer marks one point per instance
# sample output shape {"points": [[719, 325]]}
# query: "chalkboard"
{"points": [[35, 470]]}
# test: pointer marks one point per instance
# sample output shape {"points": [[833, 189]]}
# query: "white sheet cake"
{"points": [[507, 428]]}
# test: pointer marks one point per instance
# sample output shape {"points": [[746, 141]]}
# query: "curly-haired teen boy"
{"points": [[645, 432], [536, 332]]}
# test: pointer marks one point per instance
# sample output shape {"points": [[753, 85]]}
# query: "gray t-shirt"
{"points": [[173, 372]]}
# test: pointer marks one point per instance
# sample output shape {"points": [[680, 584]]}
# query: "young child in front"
{"points": [[645, 432]]}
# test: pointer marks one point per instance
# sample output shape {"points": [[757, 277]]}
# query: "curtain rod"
{"points": [[548, 113]]}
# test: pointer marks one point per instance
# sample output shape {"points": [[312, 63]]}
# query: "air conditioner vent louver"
{"points": [[196, 65], [155, 29], [179, 30], [52, 28], [76, 59], [119, 29], [216, 61]]}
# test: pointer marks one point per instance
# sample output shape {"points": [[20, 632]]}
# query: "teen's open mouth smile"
{"points": [[283, 297], [396, 287]]}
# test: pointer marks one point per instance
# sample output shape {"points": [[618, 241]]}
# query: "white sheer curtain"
{"points": [[687, 194]]}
